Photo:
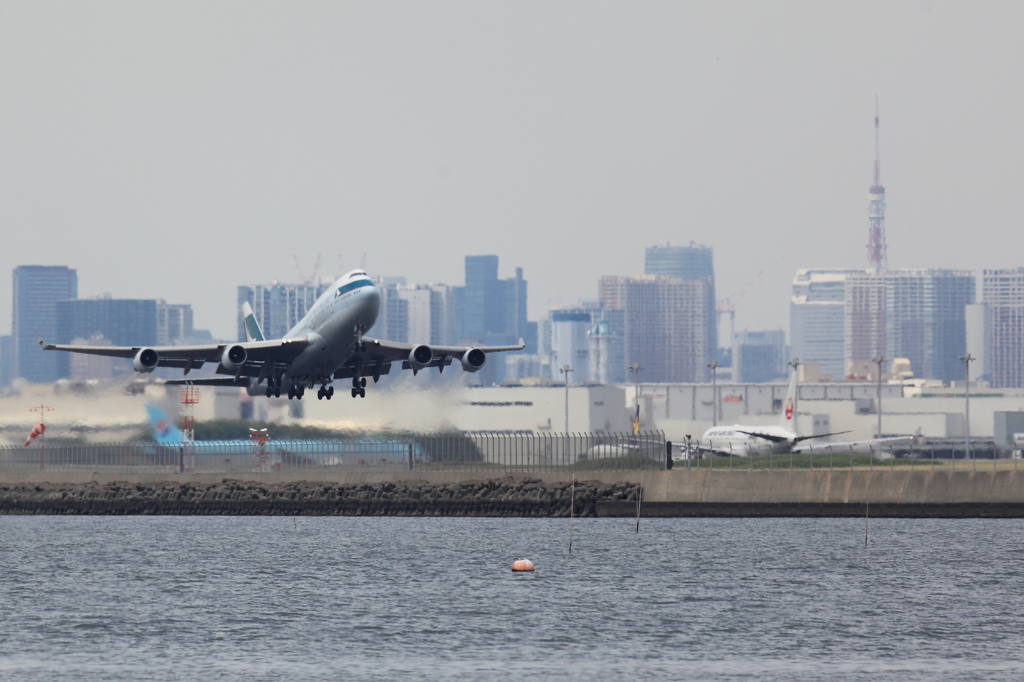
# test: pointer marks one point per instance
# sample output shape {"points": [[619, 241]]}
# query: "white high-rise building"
{"points": [[570, 344], [816, 318]]}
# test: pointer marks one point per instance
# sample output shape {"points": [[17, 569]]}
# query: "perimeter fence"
{"points": [[486, 452], [921, 454]]}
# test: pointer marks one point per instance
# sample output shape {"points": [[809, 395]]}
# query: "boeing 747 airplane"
{"points": [[325, 345]]}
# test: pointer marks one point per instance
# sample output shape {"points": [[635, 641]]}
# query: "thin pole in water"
{"points": [[572, 506], [639, 497]]}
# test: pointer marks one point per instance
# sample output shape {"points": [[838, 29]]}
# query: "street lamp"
{"points": [[565, 370], [967, 359], [713, 365], [878, 360], [635, 369]]}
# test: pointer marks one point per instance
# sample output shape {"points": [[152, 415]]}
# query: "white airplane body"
{"points": [[327, 344], [746, 440]]}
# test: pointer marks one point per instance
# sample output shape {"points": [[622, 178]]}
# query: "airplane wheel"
{"points": [[355, 392], [362, 393], [269, 393], [277, 392], [362, 383], [320, 394], [330, 392]]}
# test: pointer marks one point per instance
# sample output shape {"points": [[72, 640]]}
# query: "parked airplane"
{"points": [[325, 345], [744, 440]]}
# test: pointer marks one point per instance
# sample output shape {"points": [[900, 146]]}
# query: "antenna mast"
{"points": [[877, 250]]}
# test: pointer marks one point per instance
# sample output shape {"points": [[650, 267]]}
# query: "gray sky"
{"points": [[177, 150]]}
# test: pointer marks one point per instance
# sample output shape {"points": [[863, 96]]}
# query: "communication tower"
{"points": [[189, 398], [877, 256]]}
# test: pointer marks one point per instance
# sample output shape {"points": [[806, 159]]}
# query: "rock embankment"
{"points": [[496, 497]]}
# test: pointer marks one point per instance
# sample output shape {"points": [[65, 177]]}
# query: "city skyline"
{"points": [[168, 172]]}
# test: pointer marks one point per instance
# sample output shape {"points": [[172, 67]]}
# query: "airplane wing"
{"points": [[855, 445], [773, 439], [375, 357], [260, 356]]}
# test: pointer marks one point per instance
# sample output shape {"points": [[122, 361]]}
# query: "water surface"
{"points": [[259, 598]]}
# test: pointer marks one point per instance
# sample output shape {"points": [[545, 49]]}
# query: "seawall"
{"points": [[835, 492]]}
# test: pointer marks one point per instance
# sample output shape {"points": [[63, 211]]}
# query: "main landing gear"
{"points": [[325, 392], [296, 392], [359, 387], [274, 388]]}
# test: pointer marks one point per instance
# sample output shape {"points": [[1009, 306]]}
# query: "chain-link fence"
{"points": [[910, 454], [486, 452]]}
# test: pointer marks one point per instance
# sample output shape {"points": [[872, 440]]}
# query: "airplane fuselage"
{"points": [[334, 325], [736, 440]]}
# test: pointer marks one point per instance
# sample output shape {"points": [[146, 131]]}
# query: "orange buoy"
{"points": [[522, 565]]}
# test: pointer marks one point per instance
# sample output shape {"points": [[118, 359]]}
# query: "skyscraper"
{"points": [[277, 307], [37, 289], [666, 324], [913, 314], [691, 263], [816, 318], [489, 311], [1003, 294], [123, 322], [759, 356]]}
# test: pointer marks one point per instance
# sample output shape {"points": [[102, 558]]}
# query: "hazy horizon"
{"points": [[177, 151]]}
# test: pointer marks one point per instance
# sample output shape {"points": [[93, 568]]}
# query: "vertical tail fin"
{"points": [[788, 418], [252, 327], [164, 430]]}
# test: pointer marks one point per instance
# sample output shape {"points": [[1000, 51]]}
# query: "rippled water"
{"points": [[227, 598]]}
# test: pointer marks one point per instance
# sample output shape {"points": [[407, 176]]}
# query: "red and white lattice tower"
{"points": [[189, 398], [877, 257]]}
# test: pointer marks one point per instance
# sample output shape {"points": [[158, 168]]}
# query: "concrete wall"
{"points": [[837, 487]]}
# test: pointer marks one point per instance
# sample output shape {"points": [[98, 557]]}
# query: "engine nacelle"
{"points": [[420, 357], [232, 358], [146, 360], [473, 359]]}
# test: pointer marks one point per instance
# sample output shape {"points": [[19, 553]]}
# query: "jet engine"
{"points": [[473, 359], [146, 360], [420, 357], [232, 358]]}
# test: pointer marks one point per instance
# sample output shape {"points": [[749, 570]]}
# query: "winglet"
{"points": [[46, 346], [522, 344]]}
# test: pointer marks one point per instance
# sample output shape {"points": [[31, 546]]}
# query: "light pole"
{"points": [[878, 360], [967, 359], [635, 369], [565, 370], [713, 365]]}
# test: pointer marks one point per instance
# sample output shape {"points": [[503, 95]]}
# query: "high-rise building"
{"points": [[570, 344], [817, 318], [1003, 296], [608, 347], [913, 314], [173, 323], [759, 356], [106, 322], [430, 313], [277, 307], [6, 360], [489, 311], [691, 263], [667, 325], [37, 289]]}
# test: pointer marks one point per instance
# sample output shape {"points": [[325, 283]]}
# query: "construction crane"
{"points": [[728, 304], [311, 280]]}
